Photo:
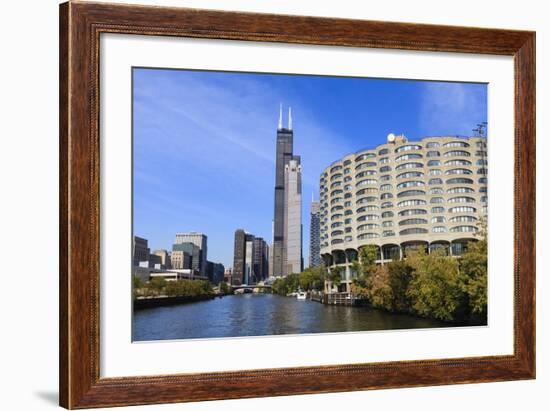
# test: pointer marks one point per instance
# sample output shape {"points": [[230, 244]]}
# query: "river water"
{"points": [[263, 314]]}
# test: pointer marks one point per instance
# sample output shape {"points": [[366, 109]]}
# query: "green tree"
{"points": [[473, 264], [436, 286], [400, 275]]}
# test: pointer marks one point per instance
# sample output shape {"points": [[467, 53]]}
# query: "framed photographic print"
{"points": [[259, 205]]}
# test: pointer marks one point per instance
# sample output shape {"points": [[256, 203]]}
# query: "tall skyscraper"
{"points": [[315, 234], [284, 155], [292, 245]]}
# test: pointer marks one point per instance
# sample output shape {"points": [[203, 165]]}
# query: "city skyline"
{"points": [[194, 172]]}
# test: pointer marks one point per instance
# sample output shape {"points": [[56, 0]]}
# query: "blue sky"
{"points": [[204, 142]]}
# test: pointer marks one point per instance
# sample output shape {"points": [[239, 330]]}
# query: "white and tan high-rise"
{"points": [[403, 195]]}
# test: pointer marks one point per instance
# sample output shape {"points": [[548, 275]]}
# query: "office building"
{"points": [[292, 242], [250, 259], [200, 240], [315, 234], [140, 251]]}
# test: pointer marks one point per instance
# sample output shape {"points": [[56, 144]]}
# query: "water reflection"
{"points": [[263, 314]]}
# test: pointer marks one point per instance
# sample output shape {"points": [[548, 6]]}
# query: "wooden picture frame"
{"points": [[80, 27]]}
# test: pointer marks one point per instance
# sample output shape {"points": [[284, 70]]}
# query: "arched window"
{"points": [[413, 211], [458, 163], [410, 174], [437, 200], [458, 171], [462, 200], [409, 193], [434, 163], [409, 165], [406, 184], [415, 230], [460, 180], [408, 147], [464, 229], [433, 154], [456, 153], [462, 209], [405, 157], [439, 229], [460, 190], [408, 203], [387, 214], [437, 210], [456, 144], [435, 181], [385, 169], [413, 221]]}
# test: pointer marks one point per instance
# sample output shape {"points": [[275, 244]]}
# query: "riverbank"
{"points": [[165, 301]]}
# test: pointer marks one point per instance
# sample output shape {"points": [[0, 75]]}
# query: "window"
{"points": [[336, 184], [336, 192], [405, 157], [385, 169], [435, 172], [432, 144], [364, 227], [481, 144], [336, 208], [408, 148], [409, 165], [348, 238], [463, 219], [483, 199], [365, 165], [367, 190], [409, 193], [383, 152], [456, 153], [460, 190], [481, 162], [436, 190], [406, 184], [387, 204], [368, 208], [410, 231], [458, 171], [387, 224], [387, 214], [437, 210], [464, 229], [335, 168], [437, 200], [434, 163], [348, 212], [348, 230], [336, 216], [460, 181], [458, 163], [368, 217], [408, 203], [482, 180], [335, 176], [364, 157], [482, 171], [462, 209], [413, 211], [385, 196], [346, 179], [336, 232], [386, 177], [456, 144], [385, 187], [384, 160], [369, 199], [347, 204], [347, 171], [348, 187], [439, 229], [410, 174], [433, 154], [366, 182], [413, 221], [338, 224], [365, 173], [388, 233], [482, 189], [435, 181], [462, 200], [438, 219], [337, 241], [347, 221], [336, 200], [347, 195], [481, 153], [367, 236]]}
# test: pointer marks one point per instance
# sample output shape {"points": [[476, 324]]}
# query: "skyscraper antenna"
{"points": [[280, 126], [290, 118]]}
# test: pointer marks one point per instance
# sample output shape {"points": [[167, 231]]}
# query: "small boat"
{"points": [[300, 295]]}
